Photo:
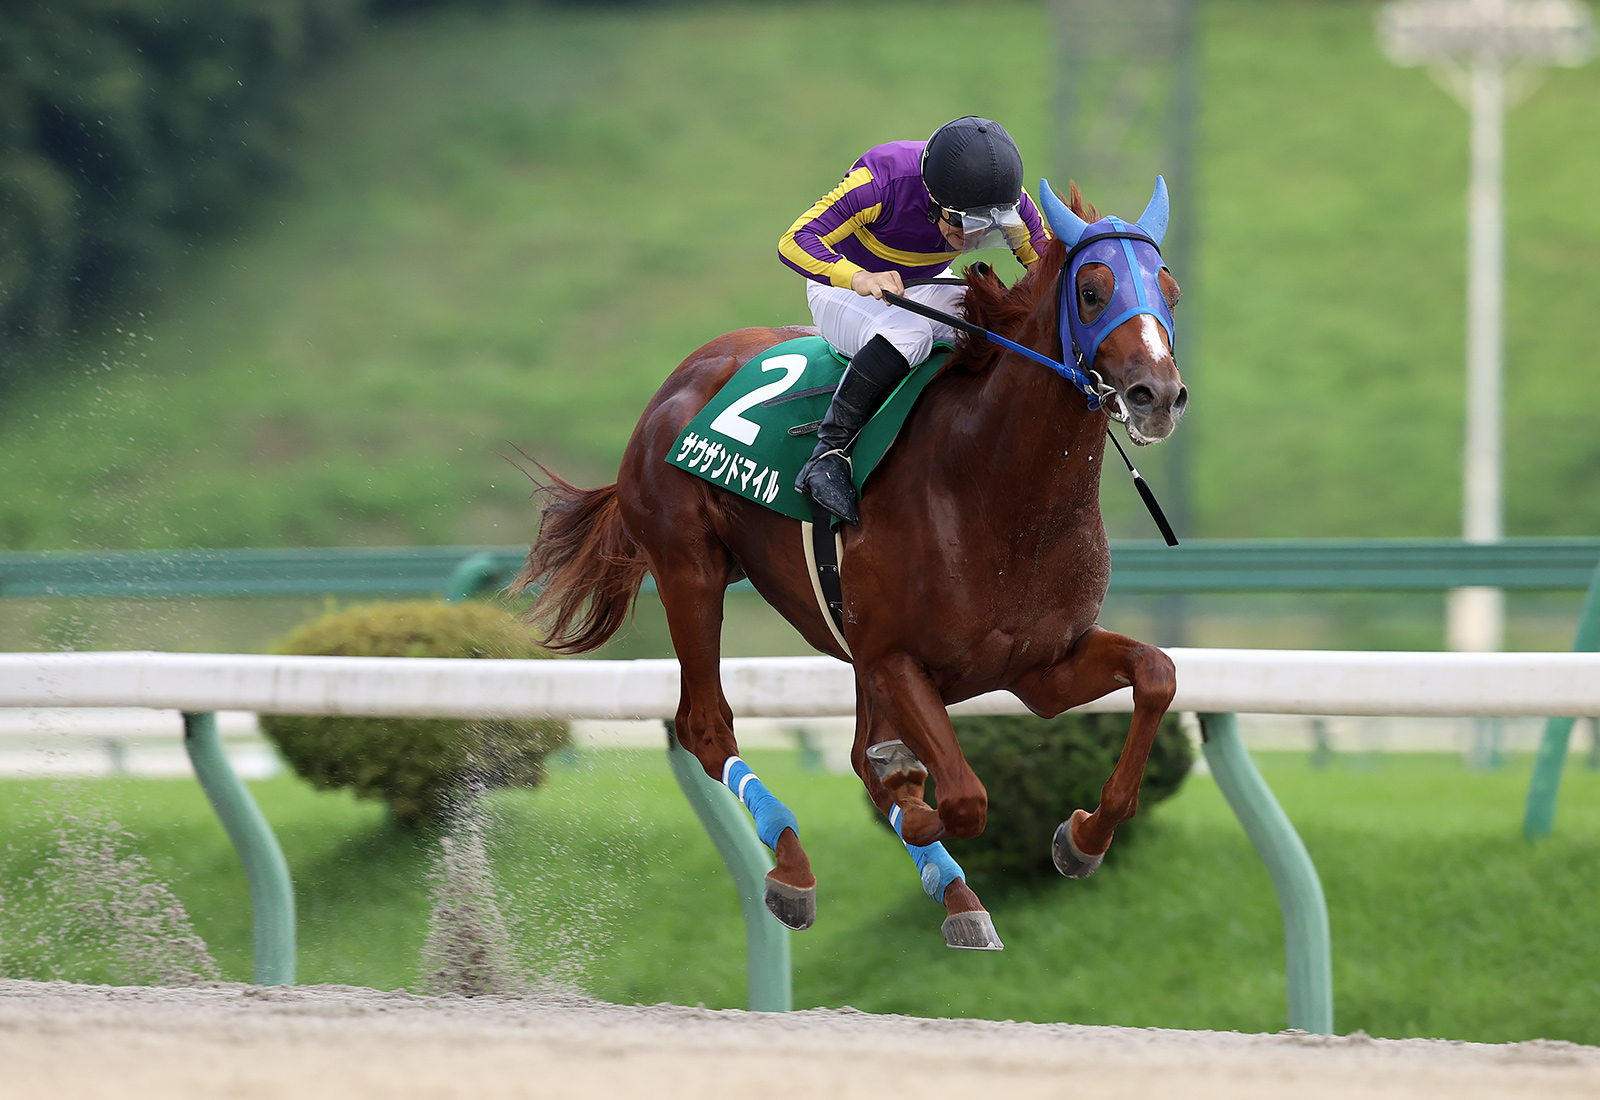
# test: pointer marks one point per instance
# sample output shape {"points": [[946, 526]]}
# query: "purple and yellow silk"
{"points": [[877, 220]]}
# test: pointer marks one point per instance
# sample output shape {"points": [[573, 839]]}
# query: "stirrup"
{"points": [[811, 464]]}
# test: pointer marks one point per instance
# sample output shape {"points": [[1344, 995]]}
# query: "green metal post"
{"points": [[271, 890], [1540, 816], [766, 941], [1307, 945], [471, 574]]}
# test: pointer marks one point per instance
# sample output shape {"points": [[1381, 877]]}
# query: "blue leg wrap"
{"points": [[937, 866], [772, 817]]}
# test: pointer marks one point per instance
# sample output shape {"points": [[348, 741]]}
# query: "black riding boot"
{"points": [[873, 374]]}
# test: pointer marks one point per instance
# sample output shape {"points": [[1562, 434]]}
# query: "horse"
{"points": [[980, 562]]}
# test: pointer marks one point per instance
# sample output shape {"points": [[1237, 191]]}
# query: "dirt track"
{"points": [[64, 1041]]}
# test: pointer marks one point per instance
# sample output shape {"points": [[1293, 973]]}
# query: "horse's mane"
{"points": [[1002, 309]]}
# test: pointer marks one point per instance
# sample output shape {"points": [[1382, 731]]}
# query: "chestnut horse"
{"points": [[980, 562]]}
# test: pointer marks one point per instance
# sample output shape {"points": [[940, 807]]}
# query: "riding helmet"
{"points": [[972, 162]]}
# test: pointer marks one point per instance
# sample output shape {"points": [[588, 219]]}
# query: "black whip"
{"points": [[1145, 492]]}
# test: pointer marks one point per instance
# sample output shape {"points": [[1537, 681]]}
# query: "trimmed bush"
{"points": [[1038, 771], [417, 765]]}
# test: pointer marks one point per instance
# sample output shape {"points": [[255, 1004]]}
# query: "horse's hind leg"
{"points": [[692, 585], [1100, 663], [900, 780]]}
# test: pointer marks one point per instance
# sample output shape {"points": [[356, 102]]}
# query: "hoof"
{"points": [[794, 907], [1068, 860], [891, 759], [972, 931]]}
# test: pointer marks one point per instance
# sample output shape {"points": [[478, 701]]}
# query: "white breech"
{"points": [[848, 320]]}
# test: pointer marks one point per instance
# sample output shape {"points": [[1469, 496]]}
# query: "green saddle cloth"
{"points": [[742, 442]]}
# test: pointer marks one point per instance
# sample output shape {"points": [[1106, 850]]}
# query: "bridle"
{"points": [[1099, 391], [1095, 389], [1088, 382], [1100, 395]]}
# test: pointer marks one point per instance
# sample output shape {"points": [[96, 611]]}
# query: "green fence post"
{"points": [[271, 890], [472, 574], [1540, 816], [766, 941], [1308, 948]]}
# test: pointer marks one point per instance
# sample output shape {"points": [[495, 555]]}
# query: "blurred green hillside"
{"points": [[128, 128], [505, 228]]}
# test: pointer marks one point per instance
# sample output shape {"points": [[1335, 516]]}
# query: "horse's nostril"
{"points": [[1141, 396], [1182, 401]]}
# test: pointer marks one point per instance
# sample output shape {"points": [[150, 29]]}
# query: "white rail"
{"points": [[1217, 683], [1209, 680]]}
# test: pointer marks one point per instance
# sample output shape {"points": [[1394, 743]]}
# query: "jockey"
{"points": [[905, 210]]}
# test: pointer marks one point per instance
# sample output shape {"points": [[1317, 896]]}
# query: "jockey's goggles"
{"points": [[988, 226]]}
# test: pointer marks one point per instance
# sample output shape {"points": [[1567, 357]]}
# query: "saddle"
{"points": [[754, 435]]}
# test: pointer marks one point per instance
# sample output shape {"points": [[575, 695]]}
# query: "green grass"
{"points": [[1332, 270], [509, 226], [1444, 922]]}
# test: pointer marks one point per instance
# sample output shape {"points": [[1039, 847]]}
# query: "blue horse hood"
{"points": [[1135, 266], [1133, 254]]}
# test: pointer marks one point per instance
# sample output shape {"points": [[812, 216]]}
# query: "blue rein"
{"points": [[1070, 371], [1087, 382]]}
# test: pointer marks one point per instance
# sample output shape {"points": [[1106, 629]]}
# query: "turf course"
{"points": [[511, 225], [1444, 922]]}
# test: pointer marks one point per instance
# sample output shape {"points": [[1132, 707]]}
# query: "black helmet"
{"points": [[972, 162]]}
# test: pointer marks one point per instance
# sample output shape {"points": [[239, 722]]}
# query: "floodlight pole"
{"points": [[1469, 44], [1476, 619]]}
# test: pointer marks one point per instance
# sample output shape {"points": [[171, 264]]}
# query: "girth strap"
{"points": [[822, 560]]}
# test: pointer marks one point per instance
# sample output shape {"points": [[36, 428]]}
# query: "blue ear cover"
{"points": [[1154, 219], [1066, 225]]}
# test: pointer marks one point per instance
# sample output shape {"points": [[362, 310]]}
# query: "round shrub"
{"points": [[417, 765], [1037, 771]]}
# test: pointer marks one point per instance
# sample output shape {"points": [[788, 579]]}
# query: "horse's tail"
{"points": [[589, 567]]}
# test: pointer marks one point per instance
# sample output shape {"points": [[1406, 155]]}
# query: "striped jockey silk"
{"points": [[877, 220]]}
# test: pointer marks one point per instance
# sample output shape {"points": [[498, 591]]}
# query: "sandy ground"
{"points": [[223, 1040]]}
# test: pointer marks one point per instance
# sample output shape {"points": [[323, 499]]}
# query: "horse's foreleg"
{"points": [[692, 595], [1100, 663], [896, 783], [899, 689]]}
